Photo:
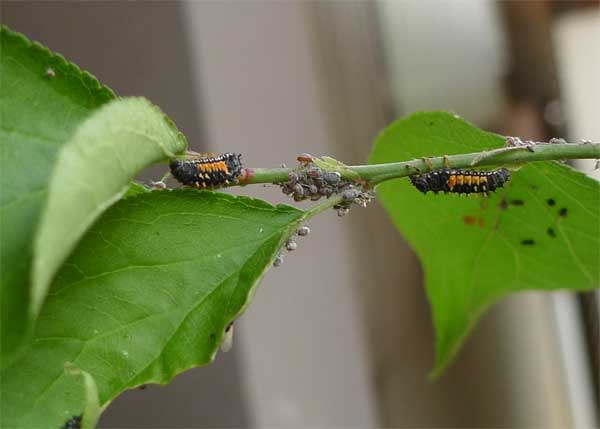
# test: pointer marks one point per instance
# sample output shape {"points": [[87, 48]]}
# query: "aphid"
{"points": [[349, 195], [299, 190], [207, 171], [315, 173], [342, 211], [333, 178], [50, 73], [278, 260], [303, 231], [461, 181], [305, 158], [291, 245]]}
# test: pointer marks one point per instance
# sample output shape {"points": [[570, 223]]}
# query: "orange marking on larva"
{"points": [[459, 179], [483, 180], [476, 180], [452, 182], [468, 180]]}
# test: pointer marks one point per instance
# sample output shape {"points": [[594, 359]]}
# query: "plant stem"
{"points": [[377, 173], [266, 175], [321, 207]]}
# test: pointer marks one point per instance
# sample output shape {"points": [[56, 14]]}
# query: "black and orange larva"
{"points": [[461, 181], [208, 171]]}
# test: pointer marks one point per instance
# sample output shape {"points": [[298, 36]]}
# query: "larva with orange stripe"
{"points": [[208, 171], [461, 181]]}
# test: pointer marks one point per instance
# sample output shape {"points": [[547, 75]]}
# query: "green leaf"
{"points": [[43, 99], [540, 232], [147, 294], [94, 170]]}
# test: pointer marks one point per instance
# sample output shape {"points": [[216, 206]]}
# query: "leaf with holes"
{"points": [[146, 295], [542, 231]]}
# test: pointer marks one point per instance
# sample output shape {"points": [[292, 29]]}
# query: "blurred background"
{"points": [[341, 335]]}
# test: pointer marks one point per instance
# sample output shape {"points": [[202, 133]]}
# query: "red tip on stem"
{"points": [[246, 176]]}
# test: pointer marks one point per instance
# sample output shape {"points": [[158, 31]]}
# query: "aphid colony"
{"points": [[311, 182], [203, 171], [461, 181]]}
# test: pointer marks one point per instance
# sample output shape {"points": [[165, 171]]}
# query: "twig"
{"points": [[377, 173]]}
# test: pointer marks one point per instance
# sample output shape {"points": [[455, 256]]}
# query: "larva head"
{"points": [[503, 174], [234, 163], [420, 182]]}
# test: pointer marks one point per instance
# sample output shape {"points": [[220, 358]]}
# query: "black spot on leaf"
{"points": [[528, 242], [563, 212], [551, 232]]}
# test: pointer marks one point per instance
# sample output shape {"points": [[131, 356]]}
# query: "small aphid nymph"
{"points": [[303, 231], [278, 261], [291, 245]]}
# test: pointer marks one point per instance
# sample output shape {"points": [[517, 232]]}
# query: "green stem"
{"points": [[266, 175], [321, 207], [377, 173]]}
